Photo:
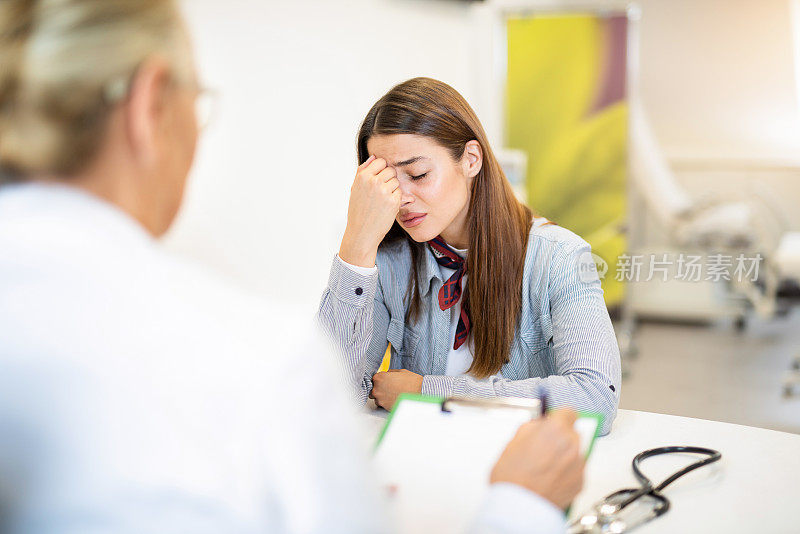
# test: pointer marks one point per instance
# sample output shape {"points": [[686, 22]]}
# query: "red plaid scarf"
{"points": [[450, 291]]}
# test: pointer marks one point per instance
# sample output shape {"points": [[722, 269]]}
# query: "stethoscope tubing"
{"points": [[655, 491]]}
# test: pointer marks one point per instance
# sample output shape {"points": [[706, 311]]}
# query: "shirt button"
{"points": [[359, 291]]}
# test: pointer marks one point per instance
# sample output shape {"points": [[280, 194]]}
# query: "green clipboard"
{"points": [[417, 397]]}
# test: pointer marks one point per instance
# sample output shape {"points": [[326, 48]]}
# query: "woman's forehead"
{"points": [[397, 148]]}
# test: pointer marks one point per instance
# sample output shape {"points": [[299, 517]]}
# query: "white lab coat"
{"points": [[139, 394]]}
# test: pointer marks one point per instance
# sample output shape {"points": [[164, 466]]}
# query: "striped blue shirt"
{"points": [[564, 346]]}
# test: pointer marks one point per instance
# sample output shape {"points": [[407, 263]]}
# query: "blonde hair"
{"points": [[64, 64]]}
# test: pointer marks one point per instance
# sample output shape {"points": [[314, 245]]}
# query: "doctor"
{"points": [[138, 393]]}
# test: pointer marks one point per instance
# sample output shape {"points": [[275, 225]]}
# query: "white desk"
{"points": [[755, 487]]}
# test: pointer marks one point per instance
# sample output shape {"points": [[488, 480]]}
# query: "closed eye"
{"points": [[419, 176]]}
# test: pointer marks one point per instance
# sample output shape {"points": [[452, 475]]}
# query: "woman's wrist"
{"points": [[355, 252]]}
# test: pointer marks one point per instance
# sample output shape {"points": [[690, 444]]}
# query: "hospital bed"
{"points": [[750, 223]]}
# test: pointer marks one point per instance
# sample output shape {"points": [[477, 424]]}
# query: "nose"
{"points": [[406, 197]]}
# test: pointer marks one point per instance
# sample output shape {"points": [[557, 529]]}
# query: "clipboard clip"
{"points": [[533, 406]]}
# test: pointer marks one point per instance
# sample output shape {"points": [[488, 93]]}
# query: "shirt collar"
{"points": [[429, 270], [49, 210]]}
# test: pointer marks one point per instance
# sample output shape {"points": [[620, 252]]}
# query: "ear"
{"points": [[145, 109], [472, 160]]}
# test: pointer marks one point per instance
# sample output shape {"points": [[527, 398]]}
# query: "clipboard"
{"points": [[435, 454]]}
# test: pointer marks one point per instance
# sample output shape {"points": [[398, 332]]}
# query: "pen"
{"points": [[543, 402]]}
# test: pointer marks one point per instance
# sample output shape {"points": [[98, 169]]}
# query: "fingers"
{"points": [[386, 175], [376, 171], [565, 440], [565, 417], [367, 162], [375, 166], [375, 392], [391, 186], [378, 382], [568, 454], [556, 430], [528, 429], [571, 466], [559, 421]]}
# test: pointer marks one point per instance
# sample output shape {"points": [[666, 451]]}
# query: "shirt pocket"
{"points": [[537, 335], [404, 342]]}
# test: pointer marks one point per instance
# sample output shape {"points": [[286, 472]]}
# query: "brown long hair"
{"points": [[498, 223]]}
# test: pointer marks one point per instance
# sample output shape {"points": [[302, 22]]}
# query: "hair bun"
{"points": [[52, 110]]}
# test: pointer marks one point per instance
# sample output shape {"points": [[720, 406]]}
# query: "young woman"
{"points": [[439, 259]]}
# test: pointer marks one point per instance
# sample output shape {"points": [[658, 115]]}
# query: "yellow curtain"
{"points": [[577, 154]]}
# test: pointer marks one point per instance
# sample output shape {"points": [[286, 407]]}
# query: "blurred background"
{"points": [[664, 132]]}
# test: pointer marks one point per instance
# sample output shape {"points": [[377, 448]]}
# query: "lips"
{"points": [[412, 219]]}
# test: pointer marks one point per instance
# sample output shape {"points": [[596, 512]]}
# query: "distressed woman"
{"points": [[475, 295]]}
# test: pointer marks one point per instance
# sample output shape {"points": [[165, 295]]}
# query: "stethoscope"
{"points": [[607, 515]]}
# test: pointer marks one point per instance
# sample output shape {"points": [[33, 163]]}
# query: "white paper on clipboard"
{"points": [[435, 465]]}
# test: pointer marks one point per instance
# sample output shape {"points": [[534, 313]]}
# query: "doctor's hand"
{"points": [[386, 387], [374, 203], [544, 456]]}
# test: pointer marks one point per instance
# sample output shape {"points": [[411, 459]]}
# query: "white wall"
{"points": [[718, 79], [268, 196], [267, 199]]}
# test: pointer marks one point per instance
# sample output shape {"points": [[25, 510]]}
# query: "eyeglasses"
{"points": [[206, 104], [206, 99]]}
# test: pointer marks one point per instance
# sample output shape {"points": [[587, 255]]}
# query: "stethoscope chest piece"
{"points": [[610, 516]]}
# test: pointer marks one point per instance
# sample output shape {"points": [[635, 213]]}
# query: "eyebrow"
{"points": [[409, 161]]}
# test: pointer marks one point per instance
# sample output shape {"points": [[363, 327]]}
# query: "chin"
{"points": [[421, 235]]}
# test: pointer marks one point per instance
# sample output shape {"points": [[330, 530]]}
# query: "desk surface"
{"points": [[755, 487]]}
